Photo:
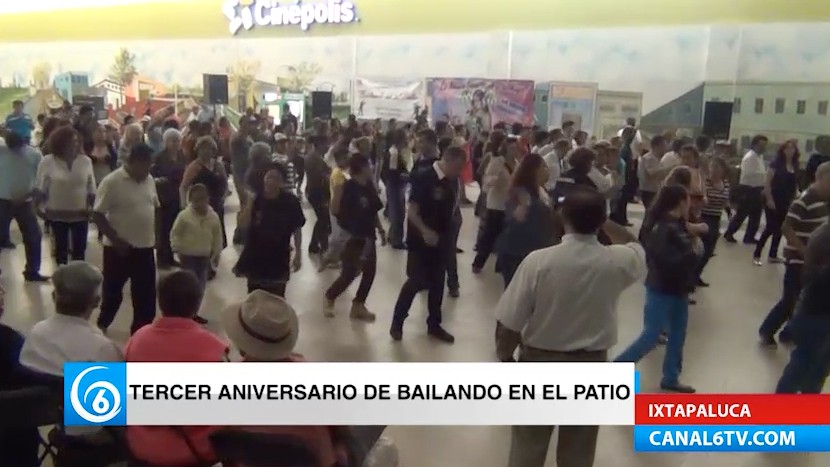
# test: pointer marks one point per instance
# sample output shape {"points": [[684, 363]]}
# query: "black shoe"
{"points": [[398, 246], [8, 246], [692, 301], [729, 239], [396, 331], [453, 292], [313, 251], [35, 277], [211, 274], [701, 283], [441, 334], [200, 320], [767, 341], [459, 251], [677, 387]]}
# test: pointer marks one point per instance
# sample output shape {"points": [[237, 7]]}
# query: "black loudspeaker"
{"points": [[216, 89], [321, 104], [717, 120]]}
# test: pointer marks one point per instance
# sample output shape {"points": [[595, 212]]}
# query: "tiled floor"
{"points": [[721, 350]]}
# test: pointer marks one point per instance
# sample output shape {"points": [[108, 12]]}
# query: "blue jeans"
{"points": [[199, 266], [810, 359], [662, 312]]}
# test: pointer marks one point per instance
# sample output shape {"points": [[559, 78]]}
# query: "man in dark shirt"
{"points": [[821, 156], [289, 121], [426, 150], [318, 193], [810, 360], [432, 206], [805, 215]]}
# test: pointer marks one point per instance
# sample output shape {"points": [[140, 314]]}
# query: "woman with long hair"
{"points": [[270, 220], [672, 263], [779, 192], [529, 216], [103, 154], [497, 186], [66, 185], [690, 158], [717, 199]]}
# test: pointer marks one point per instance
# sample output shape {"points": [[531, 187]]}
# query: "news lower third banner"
{"points": [[229, 394]]}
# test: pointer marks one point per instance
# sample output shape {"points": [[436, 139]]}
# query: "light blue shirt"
{"points": [[21, 124], [18, 172]]}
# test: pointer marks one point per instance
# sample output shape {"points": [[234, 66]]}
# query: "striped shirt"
{"points": [[291, 176], [716, 199], [806, 214]]}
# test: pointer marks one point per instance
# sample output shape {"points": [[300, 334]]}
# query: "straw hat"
{"points": [[263, 326]]}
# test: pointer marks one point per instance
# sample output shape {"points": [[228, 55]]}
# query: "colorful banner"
{"points": [[480, 103], [575, 102], [387, 99]]}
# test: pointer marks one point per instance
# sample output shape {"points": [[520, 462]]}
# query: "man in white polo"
{"points": [[125, 212]]}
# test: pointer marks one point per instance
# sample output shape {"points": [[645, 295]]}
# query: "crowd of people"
{"points": [[553, 214]]}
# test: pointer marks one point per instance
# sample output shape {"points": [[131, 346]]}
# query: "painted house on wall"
{"points": [[71, 83], [778, 110], [112, 91], [143, 88], [613, 107], [683, 115]]}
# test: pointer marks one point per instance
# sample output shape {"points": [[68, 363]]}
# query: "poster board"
{"points": [[480, 103], [387, 98], [576, 102]]}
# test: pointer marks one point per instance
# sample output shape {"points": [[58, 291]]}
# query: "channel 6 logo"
{"points": [[94, 394]]}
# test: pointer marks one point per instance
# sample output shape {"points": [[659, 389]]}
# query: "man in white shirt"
{"points": [[671, 159], [553, 154], [68, 336], [749, 192], [561, 306], [650, 173], [125, 212]]}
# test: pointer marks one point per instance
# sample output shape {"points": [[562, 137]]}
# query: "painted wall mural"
{"points": [[663, 64]]}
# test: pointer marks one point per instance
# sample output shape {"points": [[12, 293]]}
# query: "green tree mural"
{"points": [[242, 75], [300, 77], [123, 69]]}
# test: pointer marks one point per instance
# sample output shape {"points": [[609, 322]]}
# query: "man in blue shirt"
{"points": [[18, 173], [19, 122]]}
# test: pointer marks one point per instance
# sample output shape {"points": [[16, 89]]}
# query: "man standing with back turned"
{"points": [[561, 306]]}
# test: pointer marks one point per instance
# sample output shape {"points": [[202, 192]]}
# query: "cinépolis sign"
{"points": [[286, 13]]}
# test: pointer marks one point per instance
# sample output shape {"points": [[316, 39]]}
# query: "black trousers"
{"points": [[164, 253], [710, 240], [70, 240], [750, 205], [425, 270], [452, 254], [24, 214], [276, 288], [780, 314], [772, 229], [137, 265], [493, 223], [359, 258], [322, 227]]}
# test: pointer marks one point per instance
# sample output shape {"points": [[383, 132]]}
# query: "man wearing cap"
{"points": [[68, 335], [125, 211]]}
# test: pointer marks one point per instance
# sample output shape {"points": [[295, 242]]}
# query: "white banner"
{"points": [[350, 393], [386, 99]]}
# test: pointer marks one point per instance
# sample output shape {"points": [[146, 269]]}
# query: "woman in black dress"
{"points": [[779, 192], [273, 218]]}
